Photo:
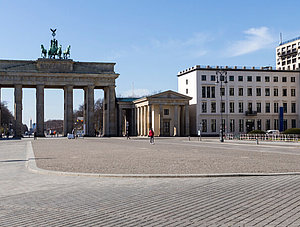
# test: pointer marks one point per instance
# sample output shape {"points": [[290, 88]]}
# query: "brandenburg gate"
{"points": [[66, 74]]}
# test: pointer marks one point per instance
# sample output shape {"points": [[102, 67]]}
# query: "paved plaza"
{"points": [[33, 199]]}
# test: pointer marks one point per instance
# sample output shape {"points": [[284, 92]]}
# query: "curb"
{"points": [[31, 166]]}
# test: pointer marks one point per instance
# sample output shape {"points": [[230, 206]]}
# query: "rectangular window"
{"points": [[276, 124], [203, 77], [166, 111], [208, 92], [267, 107], [258, 78], [241, 107], [204, 125], [258, 123], [258, 107], [241, 125], [231, 125], [284, 124], [213, 92], [212, 78], [241, 91], [204, 107], [294, 123], [275, 91], [203, 92], [284, 107], [267, 91], [293, 92], [231, 78], [249, 91], [231, 91], [250, 106], [284, 92], [186, 81], [223, 107], [284, 79], [275, 79], [276, 107], [186, 91], [293, 107], [213, 125], [293, 79], [222, 91], [231, 107], [267, 79], [258, 91], [240, 78], [268, 124], [213, 107], [249, 78]]}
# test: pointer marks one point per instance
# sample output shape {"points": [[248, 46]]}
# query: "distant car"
{"points": [[273, 132]]}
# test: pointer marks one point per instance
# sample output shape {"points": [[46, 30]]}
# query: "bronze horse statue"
{"points": [[67, 52], [44, 52]]}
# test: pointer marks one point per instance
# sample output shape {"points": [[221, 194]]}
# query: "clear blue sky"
{"points": [[149, 40]]}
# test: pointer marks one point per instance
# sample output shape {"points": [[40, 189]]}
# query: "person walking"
{"points": [[151, 135]]}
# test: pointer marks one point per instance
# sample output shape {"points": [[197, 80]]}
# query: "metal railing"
{"points": [[265, 137]]}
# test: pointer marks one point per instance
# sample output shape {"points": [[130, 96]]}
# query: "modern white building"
{"points": [[251, 98], [288, 55]]}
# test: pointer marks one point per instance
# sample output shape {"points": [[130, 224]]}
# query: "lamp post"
{"points": [[221, 76]]}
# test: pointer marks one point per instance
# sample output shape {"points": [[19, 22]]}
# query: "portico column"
{"points": [[141, 121], [0, 110], [18, 111], [89, 105], [145, 120], [187, 120], [149, 117], [109, 115], [68, 109], [120, 121], [160, 120], [176, 120], [40, 110]]}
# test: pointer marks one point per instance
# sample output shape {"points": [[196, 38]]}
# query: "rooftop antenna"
{"points": [[280, 38]]}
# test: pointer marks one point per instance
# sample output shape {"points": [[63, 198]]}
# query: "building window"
{"points": [[186, 81], [258, 91], [275, 91], [268, 124], [275, 79], [212, 78], [166, 111], [241, 91], [203, 92], [231, 78], [258, 123], [203, 77], [231, 91], [250, 106], [241, 125], [293, 79], [213, 107], [258, 107], [284, 107], [294, 125], [249, 91], [284, 92], [204, 125], [240, 78], [293, 92], [186, 91], [241, 107], [249, 78], [258, 78], [213, 92], [204, 107], [276, 124], [276, 107], [223, 107], [208, 92], [267, 107], [231, 107], [213, 125], [293, 109], [222, 91], [267, 79], [284, 124], [267, 91], [231, 125], [284, 79]]}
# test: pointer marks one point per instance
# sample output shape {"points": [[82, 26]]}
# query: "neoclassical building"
{"points": [[167, 113]]}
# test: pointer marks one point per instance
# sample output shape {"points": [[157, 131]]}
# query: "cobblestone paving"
{"points": [[28, 199]]}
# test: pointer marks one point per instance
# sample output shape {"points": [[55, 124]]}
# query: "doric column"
{"points": [[176, 120], [120, 121], [145, 120], [0, 109], [110, 120], [40, 110], [187, 120], [18, 111], [68, 109], [149, 117], [89, 105], [141, 121], [161, 130], [133, 122]]}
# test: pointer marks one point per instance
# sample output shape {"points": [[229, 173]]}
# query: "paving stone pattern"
{"points": [[28, 199]]}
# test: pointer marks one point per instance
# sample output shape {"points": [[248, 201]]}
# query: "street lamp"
{"points": [[221, 76]]}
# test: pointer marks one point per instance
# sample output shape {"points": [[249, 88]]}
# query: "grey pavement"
{"points": [[31, 199]]}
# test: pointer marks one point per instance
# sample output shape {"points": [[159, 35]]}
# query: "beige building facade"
{"points": [[288, 55]]}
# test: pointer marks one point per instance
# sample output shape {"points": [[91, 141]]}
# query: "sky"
{"points": [[150, 41]]}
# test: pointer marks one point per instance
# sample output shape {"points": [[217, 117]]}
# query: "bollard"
{"points": [[189, 138], [257, 141]]}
